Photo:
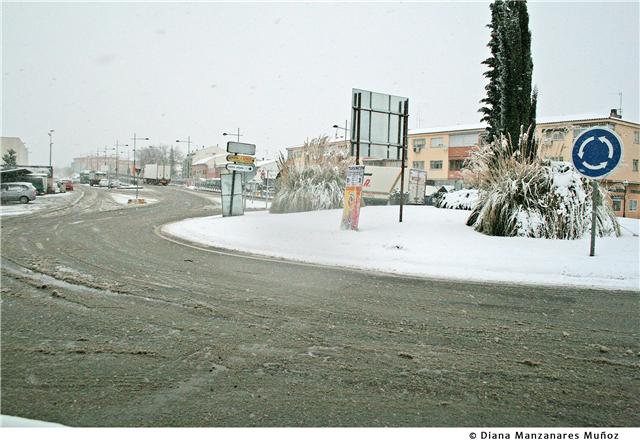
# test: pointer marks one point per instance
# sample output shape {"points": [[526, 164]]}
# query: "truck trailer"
{"points": [[156, 174]]}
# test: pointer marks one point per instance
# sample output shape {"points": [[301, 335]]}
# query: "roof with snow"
{"points": [[542, 120], [209, 159], [260, 163]]}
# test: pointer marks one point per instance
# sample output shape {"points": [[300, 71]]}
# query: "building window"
{"points": [[635, 165], [556, 134], [437, 142], [461, 140], [577, 130], [617, 204], [419, 165], [419, 144], [456, 165], [436, 164], [633, 205], [636, 137]]}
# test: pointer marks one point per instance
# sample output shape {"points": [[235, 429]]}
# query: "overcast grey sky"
{"points": [[283, 72]]}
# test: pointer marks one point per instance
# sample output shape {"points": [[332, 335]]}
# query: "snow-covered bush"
{"points": [[538, 199], [316, 183], [465, 199]]}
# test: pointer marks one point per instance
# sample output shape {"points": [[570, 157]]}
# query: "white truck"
{"points": [[156, 174]]}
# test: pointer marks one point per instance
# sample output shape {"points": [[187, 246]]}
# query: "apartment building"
{"points": [[441, 152], [15, 143]]}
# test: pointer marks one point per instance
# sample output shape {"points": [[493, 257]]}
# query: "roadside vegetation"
{"points": [[316, 182], [532, 198]]}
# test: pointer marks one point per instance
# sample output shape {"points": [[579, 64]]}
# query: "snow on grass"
{"points": [[431, 242], [42, 202], [124, 198], [465, 199]]}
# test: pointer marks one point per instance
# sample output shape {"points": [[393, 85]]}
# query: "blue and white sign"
{"points": [[596, 152]]}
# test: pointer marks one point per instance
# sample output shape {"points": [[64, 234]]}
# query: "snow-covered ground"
{"points": [[8, 421], [257, 204], [431, 242], [124, 198], [41, 202]]}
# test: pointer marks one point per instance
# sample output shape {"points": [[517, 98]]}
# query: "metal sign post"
{"points": [[595, 196], [380, 129], [404, 154], [596, 152], [240, 154]]}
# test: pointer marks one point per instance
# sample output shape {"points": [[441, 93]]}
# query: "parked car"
{"points": [[103, 183], [68, 184], [18, 191]]}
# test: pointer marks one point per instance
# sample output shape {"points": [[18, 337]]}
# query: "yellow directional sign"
{"points": [[235, 158]]}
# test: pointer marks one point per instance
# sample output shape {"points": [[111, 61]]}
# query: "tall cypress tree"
{"points": [[491, 108], [510, 105]]}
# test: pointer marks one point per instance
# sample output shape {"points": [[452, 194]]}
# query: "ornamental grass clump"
{"points": [[316, 182], [532, 198], [465, 199]]}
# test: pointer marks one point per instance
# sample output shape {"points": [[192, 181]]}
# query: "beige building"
{"points": [[296, 153], [441, 152], [15, 143], [102, 163]]}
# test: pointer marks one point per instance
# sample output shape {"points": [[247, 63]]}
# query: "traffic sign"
{"points": [[241, 148], [243, 168], [235, 158], [596, 152]]}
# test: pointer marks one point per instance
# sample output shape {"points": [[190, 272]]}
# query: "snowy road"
{"points": [[106, 324]]}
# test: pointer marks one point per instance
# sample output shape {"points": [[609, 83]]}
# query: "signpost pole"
{"points": [[596, 152], [595, 200], [404, 153], [358, 112], [233, 190]]}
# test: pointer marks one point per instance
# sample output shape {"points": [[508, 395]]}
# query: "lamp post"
{"points": [[107, 165], [231, 133], [117, 148], [624, 199], [135, 139], [188, 142], [50, 133]]}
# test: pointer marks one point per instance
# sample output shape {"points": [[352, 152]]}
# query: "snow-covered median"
{"points": [[124, 198], [431, 242]]}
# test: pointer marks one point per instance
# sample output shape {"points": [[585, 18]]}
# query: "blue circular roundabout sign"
{"points": [[596, 152]]}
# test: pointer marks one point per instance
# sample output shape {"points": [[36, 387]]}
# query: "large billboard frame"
{"points": [[377, 110]]}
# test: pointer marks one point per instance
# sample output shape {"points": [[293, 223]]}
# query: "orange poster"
{"points": [[352, 195]]}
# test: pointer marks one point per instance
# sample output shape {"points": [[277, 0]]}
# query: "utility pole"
{"points": [[50, 162], [135, 139], [117, 148]]}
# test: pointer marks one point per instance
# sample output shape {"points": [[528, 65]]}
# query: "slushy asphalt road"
{"points": [[105, 323]]}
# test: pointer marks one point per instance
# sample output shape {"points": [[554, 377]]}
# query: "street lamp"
{"points": [[345, 129], [188, 142], [50, 133], [118, 152], [231, 133], [135, 139]]}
